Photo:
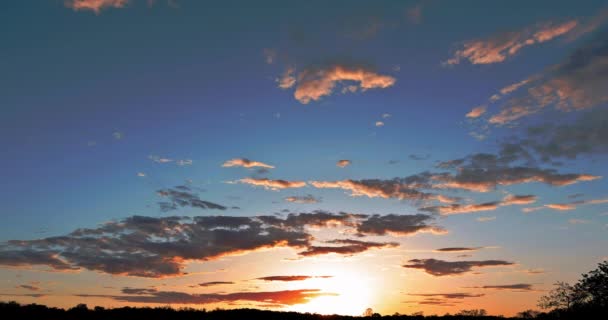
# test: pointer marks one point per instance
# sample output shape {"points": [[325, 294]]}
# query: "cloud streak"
{"points": [[441, 268], [245, 163]]}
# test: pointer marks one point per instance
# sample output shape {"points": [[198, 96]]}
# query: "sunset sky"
{"points": [[314, 156]]}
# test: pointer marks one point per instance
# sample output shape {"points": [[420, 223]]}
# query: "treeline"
{"points": [[13, 310], [585, 300]]}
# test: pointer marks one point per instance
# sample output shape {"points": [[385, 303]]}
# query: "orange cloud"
{"points": [[287, 80], [343, 163], [373, 189], [499, 47], [476, 112], [462, 208], [516, 199], [95, 5], [273, 184], [246, 163], [314, 83]]}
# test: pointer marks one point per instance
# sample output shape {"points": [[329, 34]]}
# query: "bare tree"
{"points": [[560, 297]]}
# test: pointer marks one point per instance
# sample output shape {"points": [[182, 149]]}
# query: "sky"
{"points": [[314, 156]]}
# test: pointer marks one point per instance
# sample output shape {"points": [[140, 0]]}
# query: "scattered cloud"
{"points": [[458, 295], [461, 208], [485, 219], [118, 135], [162, 160], [273, 184], [283, 298], [476, 112], [446, 268], [287, 79], [575, 84], [518, 287], [302, 199], [150, 247], [419, 157], [183, 196], [246, 163], [379, 124], [499, 47], [290, 278], [316, 82], [346, 247], [458, 249], [95, 5], [30, 287], [343, 163], [214, 283], [398, 225], [372, 188], [157, 247]]}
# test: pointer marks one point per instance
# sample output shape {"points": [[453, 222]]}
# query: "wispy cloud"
{"points": [[183, 196], [302, 199], [284, 298], [499, 47], [446, 268], [346, 247], [290, 278], [95, 5], [246, 163], [273, 184]]}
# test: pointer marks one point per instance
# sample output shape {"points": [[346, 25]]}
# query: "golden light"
{"points": [[354, 293]]}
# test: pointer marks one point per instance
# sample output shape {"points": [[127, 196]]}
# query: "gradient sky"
{"points": [[319, 156]]}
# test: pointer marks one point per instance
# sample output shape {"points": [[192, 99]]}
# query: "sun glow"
{"points": [[354, 292]]}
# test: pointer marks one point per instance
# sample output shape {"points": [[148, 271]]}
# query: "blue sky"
{"points": [[92, 96]]}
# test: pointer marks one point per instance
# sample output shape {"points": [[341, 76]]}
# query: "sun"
{"points": [[354, 293]]}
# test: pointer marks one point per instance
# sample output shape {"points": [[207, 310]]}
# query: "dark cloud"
{"points": [[578, 83], [214, 283], [418, 157], [160, 247], [183, 196], [398, 225], [512, 287], [458, 295], [442, 299], [283, 298], [346, 247], [397, 188], [482, 172], [150, 247], [302, 199], [445, 268], [316, 218], [29, 287], [458, 249], [587, 135]]}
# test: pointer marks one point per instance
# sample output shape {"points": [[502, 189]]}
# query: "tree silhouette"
{"points": [[593, 287], [560, 297]]}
